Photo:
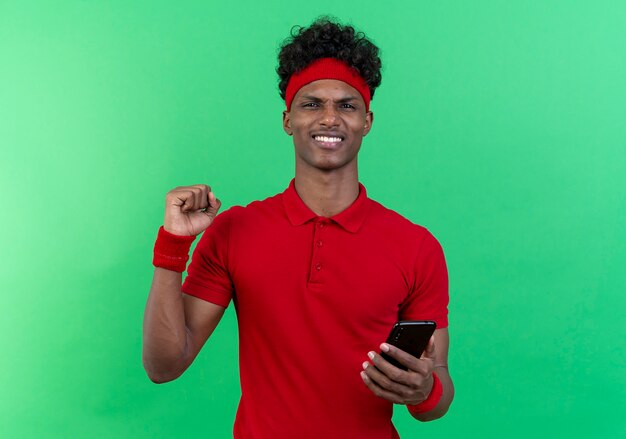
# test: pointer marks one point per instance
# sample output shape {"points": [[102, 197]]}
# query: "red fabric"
{"points": [[433, 398], [313, 296], [171, 251], [327, 68]]}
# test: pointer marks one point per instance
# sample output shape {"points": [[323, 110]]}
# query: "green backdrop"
{"points": [[500, 126]]}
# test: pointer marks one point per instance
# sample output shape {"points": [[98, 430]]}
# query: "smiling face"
{"points": [[328, 121]]}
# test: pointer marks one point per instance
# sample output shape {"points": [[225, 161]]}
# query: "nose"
{"points": [[330, 117]]}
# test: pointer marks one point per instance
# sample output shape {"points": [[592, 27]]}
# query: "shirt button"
{"points": [[318, 267], [319, 243]]}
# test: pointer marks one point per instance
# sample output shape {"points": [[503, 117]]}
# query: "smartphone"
{"points": [[411, 336]]}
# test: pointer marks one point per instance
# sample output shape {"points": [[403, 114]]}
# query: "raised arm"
{"points": [[177, 325]]}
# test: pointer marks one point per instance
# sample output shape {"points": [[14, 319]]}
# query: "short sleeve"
{"points": [[208, 277], [428, 298]]}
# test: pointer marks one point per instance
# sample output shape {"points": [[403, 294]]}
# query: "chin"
{"points": [[325, 164], [330, 166]]}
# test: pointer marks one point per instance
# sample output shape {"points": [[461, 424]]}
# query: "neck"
{"points": [[327, 194]]}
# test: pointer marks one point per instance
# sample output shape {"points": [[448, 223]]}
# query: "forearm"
{"points": [[165, 338], [446, 398]]}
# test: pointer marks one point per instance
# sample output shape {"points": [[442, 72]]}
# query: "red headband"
{"points": [[327, 68]]}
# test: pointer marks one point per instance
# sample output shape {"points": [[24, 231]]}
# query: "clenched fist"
{"points": [[189, 210]]}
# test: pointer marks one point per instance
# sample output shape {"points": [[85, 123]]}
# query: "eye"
{"points": [[310, 104], [348, 106]]}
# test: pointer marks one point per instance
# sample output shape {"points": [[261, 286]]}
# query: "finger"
{"points": [[404, 358], [211, 199], [401, 391], [204, 196], [388, 371], [190, 204], [214, 205], [189, 198], [192, 201], [176, 197], [379, 391], [429, 352], [183, 199], [200, 199], [205, 188]]}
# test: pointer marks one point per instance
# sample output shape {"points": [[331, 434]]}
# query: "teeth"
{"points": [[327, 139]]}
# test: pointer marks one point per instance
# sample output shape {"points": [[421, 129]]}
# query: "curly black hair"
{"points": [[326, 37]]}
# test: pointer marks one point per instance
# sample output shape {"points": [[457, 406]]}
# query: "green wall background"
{"points": [[499, 125]]}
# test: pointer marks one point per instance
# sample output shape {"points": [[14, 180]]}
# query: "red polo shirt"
{"points": [[313, 295]]}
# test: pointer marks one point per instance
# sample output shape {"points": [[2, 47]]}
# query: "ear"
{"points": [[287, 123], [369, 120]]}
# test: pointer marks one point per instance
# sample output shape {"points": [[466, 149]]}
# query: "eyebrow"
{"points": [[316, 99]]}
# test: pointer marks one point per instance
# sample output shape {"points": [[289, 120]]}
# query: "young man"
{"points": [[318, 274]]}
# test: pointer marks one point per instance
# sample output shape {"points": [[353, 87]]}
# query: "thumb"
{"points": [[429, 352], [214, 205]]}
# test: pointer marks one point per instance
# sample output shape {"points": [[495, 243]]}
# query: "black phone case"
{"points": [[411, 336]]}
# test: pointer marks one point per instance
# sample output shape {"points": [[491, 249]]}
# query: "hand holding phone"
{"points": [[410, 336]]}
